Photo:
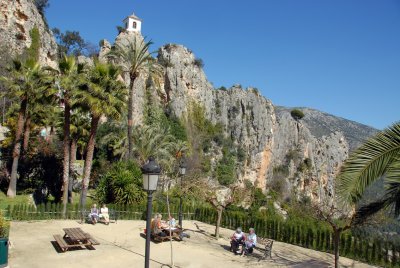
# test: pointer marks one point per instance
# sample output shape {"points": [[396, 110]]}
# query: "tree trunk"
{"points": [[72, 159], [51, 135], [27, 134], [219, 211], [336, 241], [12, 187], [89, 159], [130, 117], [66, 150]]}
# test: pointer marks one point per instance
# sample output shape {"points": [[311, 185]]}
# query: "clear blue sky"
{"points": [[341, 57]]}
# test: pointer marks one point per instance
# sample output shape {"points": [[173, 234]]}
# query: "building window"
{"points": [[126, 25], [134, 25]]}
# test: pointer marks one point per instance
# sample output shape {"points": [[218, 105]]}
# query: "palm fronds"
{"points": [[378, 157]]}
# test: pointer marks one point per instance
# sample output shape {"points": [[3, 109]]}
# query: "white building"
{"points": [[133, 23]]}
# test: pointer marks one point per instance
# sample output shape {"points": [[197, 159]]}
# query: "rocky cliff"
{"points": [[17, 19], [280, 151]]}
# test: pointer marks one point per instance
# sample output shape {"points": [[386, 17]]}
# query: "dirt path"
{"points": [[122, 246]]}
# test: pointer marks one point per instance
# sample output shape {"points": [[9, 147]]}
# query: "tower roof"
{"points": [[133, 16]]}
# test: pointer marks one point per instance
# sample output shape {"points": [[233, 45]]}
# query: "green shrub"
{"points": [[225, 171], [4, 226], [122, 184], [296, 114], [33, 50], [120, 29], [198, 62]]}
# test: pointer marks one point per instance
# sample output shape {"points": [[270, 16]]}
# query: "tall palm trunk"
{"points": [[130, 116], [66, 150], [51, 135], [27, 134], [72, 160], [12, 187], [89, 158]]}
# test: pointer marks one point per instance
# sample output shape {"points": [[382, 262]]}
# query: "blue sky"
{"points": [[341, 57]]}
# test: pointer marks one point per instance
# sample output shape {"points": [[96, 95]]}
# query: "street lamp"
{"points": [[151, 172], [182, 172]]}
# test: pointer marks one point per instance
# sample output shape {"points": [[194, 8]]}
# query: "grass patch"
{"points": [[17, 200]]}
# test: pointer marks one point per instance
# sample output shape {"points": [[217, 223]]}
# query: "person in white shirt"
{"points": [[237, 239], [104, 214], [250, 242]]}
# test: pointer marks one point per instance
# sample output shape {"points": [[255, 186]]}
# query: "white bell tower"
{"points": [[133, 23]]}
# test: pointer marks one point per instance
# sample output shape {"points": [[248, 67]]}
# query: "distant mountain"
{"points": [[323, 124]]}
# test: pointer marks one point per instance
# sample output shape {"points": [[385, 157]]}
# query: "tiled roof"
{"points": [[133, 16]]}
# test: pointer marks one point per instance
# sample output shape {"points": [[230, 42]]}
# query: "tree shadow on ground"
{"points": [[136, 253]]}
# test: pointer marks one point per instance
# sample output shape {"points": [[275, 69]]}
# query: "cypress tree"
{"points": [[373, 253], [366, 251], [317, 242], [327, 241], [394, 255]]}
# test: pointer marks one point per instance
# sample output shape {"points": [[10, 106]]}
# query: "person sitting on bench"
{"points": [[94, 214], [158, 226], [104, 214], [250, 242], [237, 239]]}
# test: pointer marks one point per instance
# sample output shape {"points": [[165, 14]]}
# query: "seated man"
{"points": [[250, 242], [237, 239], [104, 214], [94, 214]]}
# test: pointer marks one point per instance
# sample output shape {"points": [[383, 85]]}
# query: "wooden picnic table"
{"points": [[75, 237], [175, 234]]}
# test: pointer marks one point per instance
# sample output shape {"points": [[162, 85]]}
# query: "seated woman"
{"points": [[94, 214], [171, 221], [104, 214], [157, 227], [250, 242], [237, 239]]}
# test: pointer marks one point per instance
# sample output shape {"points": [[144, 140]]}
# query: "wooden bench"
{"points": [[62, 243]]}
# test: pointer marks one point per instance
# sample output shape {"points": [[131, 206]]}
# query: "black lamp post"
{"points": [[182, 172], [151, 172]]}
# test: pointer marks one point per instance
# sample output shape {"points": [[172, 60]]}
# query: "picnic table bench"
{"points": [[74, 237]]}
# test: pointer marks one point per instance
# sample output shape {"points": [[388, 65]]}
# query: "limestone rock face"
{"points": [[184, 80], [270, 141], [17, 19]]}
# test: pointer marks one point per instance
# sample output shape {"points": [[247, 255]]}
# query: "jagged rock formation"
{"points": [[17, 19], [322, 124], [273, 142]]}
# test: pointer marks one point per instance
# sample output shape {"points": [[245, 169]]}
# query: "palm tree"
{"points": [[116, 139], [26, 80], [153, 141], [103, 95], [40, 108], [71, 77], [133, 59], [79, 130], [378, 157]]}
